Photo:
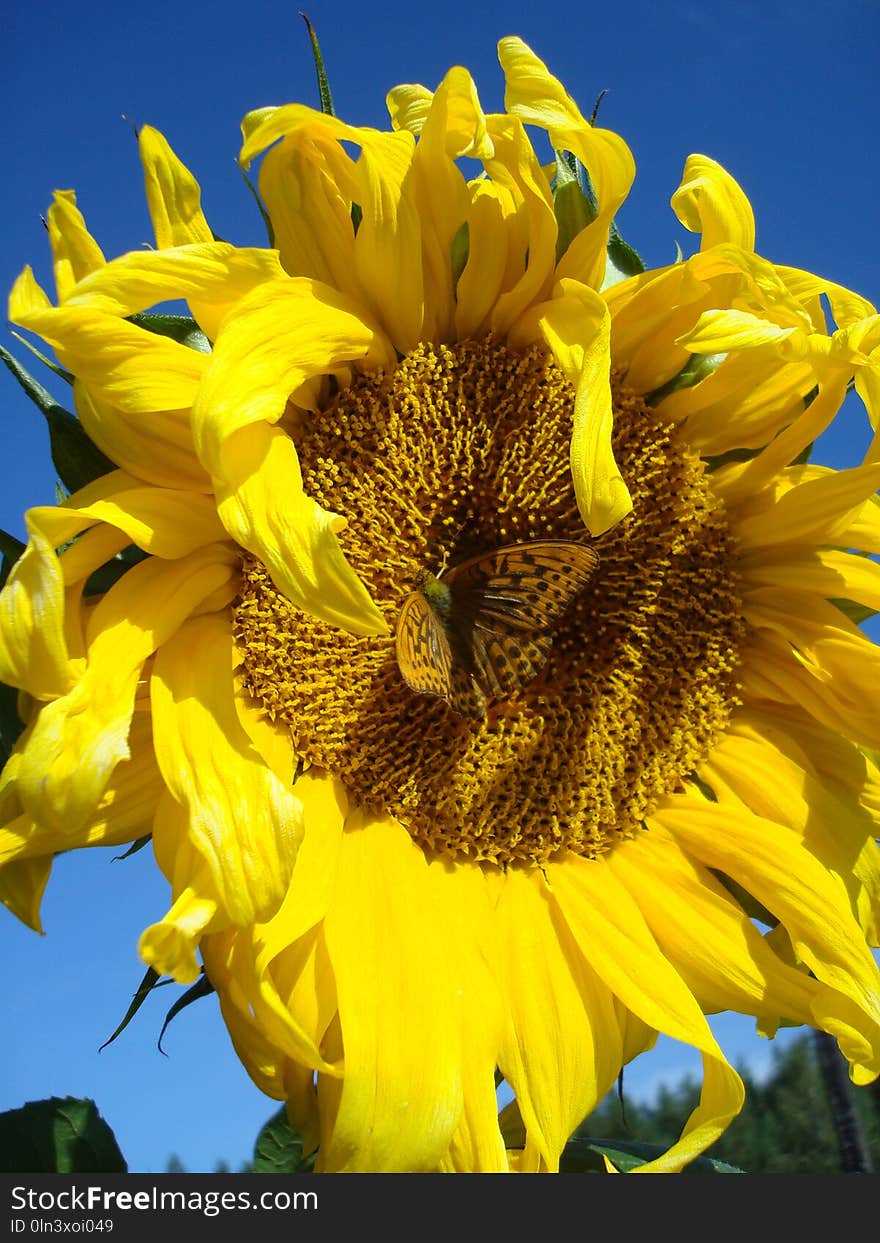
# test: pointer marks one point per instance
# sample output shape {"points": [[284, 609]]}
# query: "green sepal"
{"points": [[151, 980], [267, 222], [574, 203], [714, 461], [11, 549], [180, 328], [804, 456], [60, 371], [11, 724], [134, 848], [107, 575], [76, 457], [323, 83], [698, 367], [623, 260], [279, 1150], [61, 1135], [461, 244], [856, 613], [752, 907], [585, 1156], [202, 988]]}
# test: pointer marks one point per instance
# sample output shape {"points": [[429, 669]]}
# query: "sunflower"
{"points": [[400, 904]]}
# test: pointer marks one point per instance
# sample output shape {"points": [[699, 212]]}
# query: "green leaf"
{"points": [[855, 612], [180, 328], [60, 371], [697, 368], [58, 1136], [134, 848], [11, 549], [460, 250], [11, 724], [202, 988], [585, 1156], [573, 206], [108, 574], [77, 459], [752, 907], [270, 231], [623, 260], [279, 1149], [151, 980], [323, 84]]}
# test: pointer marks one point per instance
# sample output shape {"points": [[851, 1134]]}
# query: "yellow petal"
{"points": [[515, 166], [27, 297], [827, 656], [169, 946], [817, 511], [174, 198], [245, 823], [22, 885], [154, 445], [387, 249], [772, 863], [846, 307], [324, 806], [606, 922], [497, 240], [576, 326], [454, 126], [161, 521], [75, 253], [275, 339], [120, 362], [537, 98], [33, 645], [408, 106], [77, 740], [562, 1049], [710, 202], [766, 393], [791, 440], [212, 276], [124, 813], [304, 183], [401, 1098], [717, 950], [469, 918], [748, 770], [718, 332], [829, 572]]}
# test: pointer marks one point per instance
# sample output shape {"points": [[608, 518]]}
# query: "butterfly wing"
{"points": [[497, 636], [504, 662], [427, 662], [521, 587], [423, 650]]}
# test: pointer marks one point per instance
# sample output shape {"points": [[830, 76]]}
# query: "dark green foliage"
{"points": [[58, 1136], [785, 1126], [279, 1149]]}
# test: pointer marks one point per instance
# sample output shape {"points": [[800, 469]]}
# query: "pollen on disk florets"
{"points": [[460, 450]]}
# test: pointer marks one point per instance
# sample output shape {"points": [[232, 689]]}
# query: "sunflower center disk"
{"points": [[461, 450]]}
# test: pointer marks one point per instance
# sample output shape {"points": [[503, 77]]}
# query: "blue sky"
{"points": [[783, 93]]}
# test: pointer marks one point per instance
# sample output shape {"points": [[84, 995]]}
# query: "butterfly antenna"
{"points": [[451, 541]]}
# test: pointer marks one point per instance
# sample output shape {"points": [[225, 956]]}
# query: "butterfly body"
{"points": [[482, 629]]}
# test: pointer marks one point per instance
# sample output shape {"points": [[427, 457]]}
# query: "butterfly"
{"points": [[483, 628]]}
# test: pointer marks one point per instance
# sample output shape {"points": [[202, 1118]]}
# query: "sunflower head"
{"points": [[462, 619]]}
